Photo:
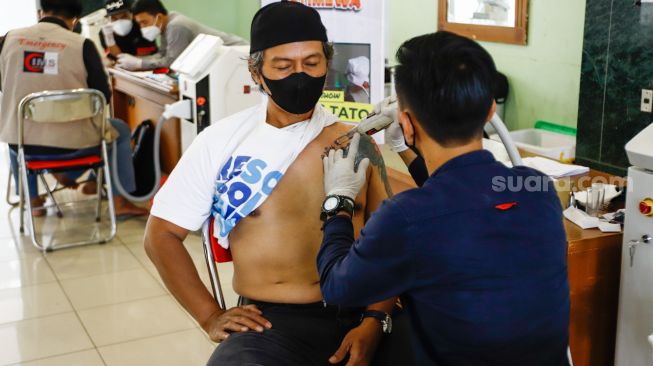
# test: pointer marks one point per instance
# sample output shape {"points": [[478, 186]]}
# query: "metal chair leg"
{"points": [[8, 195], [27, 204], [49, 191], [21, 199], [107, 177], [98, 182], [214, 276]]}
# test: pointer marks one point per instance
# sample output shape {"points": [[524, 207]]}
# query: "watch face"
{"points": [[387, 325], [331, 203]]}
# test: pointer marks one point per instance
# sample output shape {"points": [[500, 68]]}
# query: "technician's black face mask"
{"points": [[412, 147], [297, 93]]}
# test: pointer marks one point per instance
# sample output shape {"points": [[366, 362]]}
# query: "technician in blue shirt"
{"points": [[478, 253]]}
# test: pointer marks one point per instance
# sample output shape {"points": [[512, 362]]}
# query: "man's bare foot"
{"points": [[37, 206], [126, 208], [90, 187], [65, 181]]}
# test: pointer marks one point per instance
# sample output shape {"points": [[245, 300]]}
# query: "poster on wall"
{"points": [[355, 81]]}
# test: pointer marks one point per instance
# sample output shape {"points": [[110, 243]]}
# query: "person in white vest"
{"points": [[259, 174], [177, 31], [49, 56]]}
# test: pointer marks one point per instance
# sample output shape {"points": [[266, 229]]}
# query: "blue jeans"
{"points": [[125, 166]]}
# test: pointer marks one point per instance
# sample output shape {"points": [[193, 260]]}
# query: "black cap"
{"points": [[117, 6], [285, 22]]}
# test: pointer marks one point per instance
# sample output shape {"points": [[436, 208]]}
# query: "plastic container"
{"points": [[557, 146]]}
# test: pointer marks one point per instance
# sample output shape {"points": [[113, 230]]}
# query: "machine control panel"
{"points": [[203, 97], [646, 207]]}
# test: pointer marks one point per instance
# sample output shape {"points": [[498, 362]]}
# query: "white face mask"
{"points": [[122, 27], [151, 31]]}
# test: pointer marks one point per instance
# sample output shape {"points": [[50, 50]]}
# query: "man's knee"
{"points": [[253, 348], [236, 350]]}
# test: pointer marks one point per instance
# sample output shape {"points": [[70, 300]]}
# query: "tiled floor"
{"points": [[93, 305]]}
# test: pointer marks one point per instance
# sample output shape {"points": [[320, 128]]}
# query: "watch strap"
{"points": [[378, 315], [384, 318]]}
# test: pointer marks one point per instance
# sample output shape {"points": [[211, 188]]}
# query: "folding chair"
{"points": [[8, 194], [214, 254], [62, 106]]}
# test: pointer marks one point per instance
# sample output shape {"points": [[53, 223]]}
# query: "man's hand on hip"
{"points": [[240, 319], [340, 176], [360, 344]]}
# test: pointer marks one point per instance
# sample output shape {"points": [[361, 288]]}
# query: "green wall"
{"points": [[233, 16], [544, 75]]}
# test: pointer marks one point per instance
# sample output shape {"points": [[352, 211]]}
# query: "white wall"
{"points": [[16, 14]]}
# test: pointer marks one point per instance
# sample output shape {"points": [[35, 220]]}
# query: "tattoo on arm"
{"points": [[369, 149]]}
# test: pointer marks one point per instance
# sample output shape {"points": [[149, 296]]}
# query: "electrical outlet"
{"points": [[647, 101]]}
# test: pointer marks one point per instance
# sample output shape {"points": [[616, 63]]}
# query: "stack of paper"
{"points": [[585, 221], [554, 169]]}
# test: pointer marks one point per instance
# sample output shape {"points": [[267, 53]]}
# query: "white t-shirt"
{"points": [[231, 168], [186, 197]]}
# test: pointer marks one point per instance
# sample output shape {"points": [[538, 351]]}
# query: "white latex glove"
{"points": [[387, 106], [394, 135], [339, 175], [107, 32], [129, 62]]}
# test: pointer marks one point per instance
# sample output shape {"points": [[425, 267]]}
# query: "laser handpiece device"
{"points": [[377, 121]]}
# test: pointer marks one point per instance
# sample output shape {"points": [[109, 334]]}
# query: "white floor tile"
{"points": [[25, 272], [131, 236], [133, 223], [84, 358], [189, 347], [31, 302], [139, 319], [42, 337], [193, 244], [111, 288], [92, 260], [138, 250], [12, 249]]}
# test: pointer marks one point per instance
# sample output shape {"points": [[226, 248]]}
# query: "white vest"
{"points": [[43, 57]]}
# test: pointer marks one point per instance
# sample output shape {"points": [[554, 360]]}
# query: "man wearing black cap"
{"points": [[123, 34], [282, 319]]}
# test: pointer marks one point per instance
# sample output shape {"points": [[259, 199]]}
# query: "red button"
{"points": [[247, 89], [646, 207], [201, 101]]}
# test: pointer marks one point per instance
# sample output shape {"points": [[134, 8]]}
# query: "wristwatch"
{"points": [[333, 204], [384, 318]]}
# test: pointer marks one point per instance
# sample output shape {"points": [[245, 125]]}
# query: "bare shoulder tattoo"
{"points": [[369, 149]]}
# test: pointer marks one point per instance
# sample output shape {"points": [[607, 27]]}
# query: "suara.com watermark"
{"points": [[537, 183]]}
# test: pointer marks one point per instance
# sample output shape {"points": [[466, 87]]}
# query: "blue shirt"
{"points": [[479, 257]]}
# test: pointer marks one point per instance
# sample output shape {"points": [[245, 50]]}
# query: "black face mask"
{"points": [[412, 147], [297, 93]]}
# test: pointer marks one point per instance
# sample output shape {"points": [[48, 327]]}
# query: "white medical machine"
{"points": [[635, 323], [215, 82]]}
